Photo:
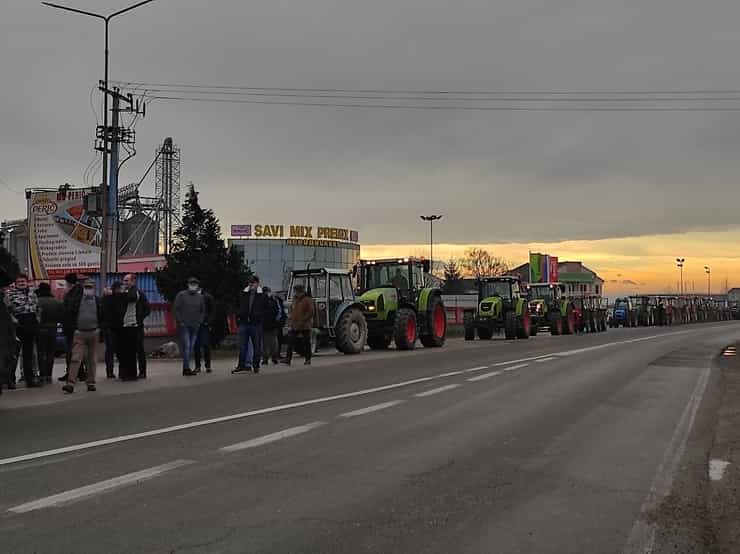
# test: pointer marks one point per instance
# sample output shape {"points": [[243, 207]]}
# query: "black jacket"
{"points": [[273, 319], [143, 309], [72, 308], [255, 315], [52, 311], [210, 304]]}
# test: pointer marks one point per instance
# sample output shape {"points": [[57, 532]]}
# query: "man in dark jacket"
{"points": [[203, 342], [189, 309], [271, 327], [86, 338], [136, 312], [251, 317], [25, 308], [72, 299], [52, 314], [8, 358]]}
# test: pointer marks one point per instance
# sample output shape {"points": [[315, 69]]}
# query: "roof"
{"points": [[498, 278], [579, 277], [329, 270]]}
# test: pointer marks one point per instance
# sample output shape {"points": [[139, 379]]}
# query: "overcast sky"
{"points": [[497, 176]]}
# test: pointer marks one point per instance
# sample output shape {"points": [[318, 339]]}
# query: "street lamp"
{"points": [[105, 231], [431, 219], [679, 264], [708, 271]]}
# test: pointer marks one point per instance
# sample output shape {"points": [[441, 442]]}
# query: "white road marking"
{"points": [[717, 469], [642, 537], [436, 391], [485, 376], [283, 407], [371, 409], [475, 369], [273, 437], [515, 367], [98, 488], [543, 360]]}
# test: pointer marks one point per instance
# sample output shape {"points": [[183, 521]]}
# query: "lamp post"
{"points": [[708, 271], [679, 264], [431, 219], [107, 227]]}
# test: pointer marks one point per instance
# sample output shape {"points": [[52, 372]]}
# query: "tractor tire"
{"points": [[379, 342], [351, 332], [469, 324], [404, 329], [438, 324], [510, 325], [556, 323], [485, 333], [524, 326], [533, 331]]}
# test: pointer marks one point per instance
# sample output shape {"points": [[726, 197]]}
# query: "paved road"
{"points": [[557, 444]]}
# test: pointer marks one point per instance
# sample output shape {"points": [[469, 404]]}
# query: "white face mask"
{"points": [[88, 292], [193, 288]]}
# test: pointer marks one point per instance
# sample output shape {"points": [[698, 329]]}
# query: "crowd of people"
{"points": [[115, 322]]}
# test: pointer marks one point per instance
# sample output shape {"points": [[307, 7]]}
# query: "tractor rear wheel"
{"points": [[379, 342], [524, 325], [485, 333], [533, 330], [469, 324], [510, 325], [437, 325], [555, 322], [351, 332], [404, 329]]}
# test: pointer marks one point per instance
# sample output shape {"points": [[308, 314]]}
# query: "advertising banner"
{"points": [[62, 236], [543, 268], [295, 232], [535, 268]]}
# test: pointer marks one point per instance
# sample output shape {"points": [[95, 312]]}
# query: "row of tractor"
{"points": [[648, 311], [391, 302], [505, 305]]}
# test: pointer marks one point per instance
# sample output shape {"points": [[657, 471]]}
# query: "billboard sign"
{"points": [[296, 232], [543, 268], [241, 230], [62, 235]]}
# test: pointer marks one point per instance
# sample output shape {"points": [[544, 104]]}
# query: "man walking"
{"points": [[251, 317], [85, 343], [137, 311], [25, 308], [271, 327], [52, 313], [203, 342], [300, 322], [190, 313]]}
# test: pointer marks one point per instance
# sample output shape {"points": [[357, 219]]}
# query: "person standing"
{"points": [[71, 303], [300, 322], [203, 342], [8, 358], [52, 314], [111, 325], [25, 308], [251, 317], [190, 312], [85, 343], [271, 327], [137, 310]]}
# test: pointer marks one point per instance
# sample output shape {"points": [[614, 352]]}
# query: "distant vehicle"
{"points": [[550, 307], [624, 313], [643, 310], [591, 314], [501, 306]]}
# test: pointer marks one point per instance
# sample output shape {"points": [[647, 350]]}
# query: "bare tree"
{"points": [[478, 263]]}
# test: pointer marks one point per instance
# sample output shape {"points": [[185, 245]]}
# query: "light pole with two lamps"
{"points": [[679, 264], [708, 271], [431, 219]]}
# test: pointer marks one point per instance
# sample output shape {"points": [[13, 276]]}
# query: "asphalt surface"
{"points": [[556, 444]]}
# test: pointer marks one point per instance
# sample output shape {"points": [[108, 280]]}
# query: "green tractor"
{"points": [[501, 306], [399, 306], [549, 307]]}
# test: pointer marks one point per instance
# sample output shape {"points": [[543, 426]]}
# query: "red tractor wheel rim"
{"points": [[439, 322], [411, 330]]}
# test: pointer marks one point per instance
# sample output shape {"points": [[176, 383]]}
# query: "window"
{"points": [[347, 287], [496, 288], [335, 287]]}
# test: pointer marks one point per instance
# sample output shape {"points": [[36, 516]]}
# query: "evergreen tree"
{"points": [[198, 251], [9, 268]]}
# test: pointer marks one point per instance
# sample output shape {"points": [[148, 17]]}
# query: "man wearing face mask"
{"points": [[25, 308], [190, 313], [85, 344], [137, 310], [71, 304], [251, 318]]}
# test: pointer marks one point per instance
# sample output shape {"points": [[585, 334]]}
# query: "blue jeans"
{"points": [[188, 336], [250, 345], [203, 344]]}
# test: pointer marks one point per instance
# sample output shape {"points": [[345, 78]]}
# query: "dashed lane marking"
{"points": [[74, 495], [485, 376], [436, 391], [515, 367], [273, 437], [371, 409], [543, 360], [472, 369]]}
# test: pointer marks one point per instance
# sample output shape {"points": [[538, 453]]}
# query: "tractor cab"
{"points": [[339, 316], [501, 306]]}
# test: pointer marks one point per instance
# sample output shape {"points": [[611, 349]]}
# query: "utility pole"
{"points": [[431, 219], [708, 271], [679, 264], [107, 229]]}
